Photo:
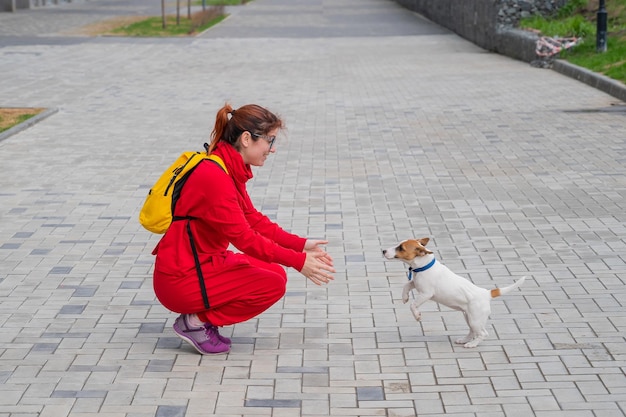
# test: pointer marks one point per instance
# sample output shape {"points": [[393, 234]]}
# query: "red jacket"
{"points": [[224, 215]]}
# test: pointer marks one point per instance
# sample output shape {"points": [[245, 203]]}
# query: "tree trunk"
{"points": [[163, 14]]}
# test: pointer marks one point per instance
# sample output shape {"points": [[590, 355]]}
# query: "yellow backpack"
{"points": [[157, 212]]}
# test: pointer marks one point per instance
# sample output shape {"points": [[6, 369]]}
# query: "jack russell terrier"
{"points": [[434, 281]]}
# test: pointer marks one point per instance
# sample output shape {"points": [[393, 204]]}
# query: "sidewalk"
{"points": [[396, 129]]}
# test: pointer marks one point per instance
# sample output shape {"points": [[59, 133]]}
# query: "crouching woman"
{"points": [[196, 274]]}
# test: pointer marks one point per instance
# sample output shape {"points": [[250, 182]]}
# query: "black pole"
{"points": [[601, 29], [164, 19]]}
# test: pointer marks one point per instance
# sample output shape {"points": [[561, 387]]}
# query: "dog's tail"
{"points": [[497, 292]]}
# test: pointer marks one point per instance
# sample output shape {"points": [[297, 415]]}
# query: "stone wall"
{"points": [[472, 19], [15, 5], [489, 24], [509, 12]]}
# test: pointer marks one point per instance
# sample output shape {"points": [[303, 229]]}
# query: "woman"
{"points": [[208, 284]]}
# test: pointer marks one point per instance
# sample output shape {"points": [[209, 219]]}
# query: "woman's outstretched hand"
{"points": [[318, 265], [312, 246]]}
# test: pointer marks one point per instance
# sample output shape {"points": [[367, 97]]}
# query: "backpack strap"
{"points": [[196, 258], [205, 298], [175, 218], [216, 159]]}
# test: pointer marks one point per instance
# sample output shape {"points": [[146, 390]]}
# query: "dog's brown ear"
{"points": [[424, 241]]}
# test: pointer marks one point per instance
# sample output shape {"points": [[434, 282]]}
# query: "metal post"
{"points": [[601, 29], [163, 17]]}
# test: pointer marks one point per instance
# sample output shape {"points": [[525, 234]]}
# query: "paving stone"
{"points": [[397, 129]]}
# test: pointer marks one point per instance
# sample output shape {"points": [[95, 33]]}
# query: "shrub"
{"points": [[571, 7], [203, 17]]}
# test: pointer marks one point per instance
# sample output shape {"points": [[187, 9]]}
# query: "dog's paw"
{"points": [[416, 313], [472, 344], [405, 299], [468, 342]]}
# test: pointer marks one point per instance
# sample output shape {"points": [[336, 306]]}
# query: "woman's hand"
{"points": [[318, 267], [313, 246]]}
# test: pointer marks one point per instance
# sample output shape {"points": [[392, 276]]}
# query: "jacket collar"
{"points": [[240, 171]]}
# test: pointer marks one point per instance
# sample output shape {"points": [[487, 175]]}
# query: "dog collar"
{"points": [[421, 269]]}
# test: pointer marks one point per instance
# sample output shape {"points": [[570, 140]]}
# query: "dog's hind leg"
{"points": [[477, 339], [477, 322], [470, 335]]}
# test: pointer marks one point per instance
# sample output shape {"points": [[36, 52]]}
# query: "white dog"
{"points": [[434, 281]]}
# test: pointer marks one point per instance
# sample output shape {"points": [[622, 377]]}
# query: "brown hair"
{"points": [[249, 118]]}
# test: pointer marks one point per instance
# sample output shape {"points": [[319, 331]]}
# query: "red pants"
{"points": [[239, 288]]}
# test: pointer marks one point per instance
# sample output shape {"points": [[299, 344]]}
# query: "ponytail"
{"points": [[251, 117], [221, 121]]}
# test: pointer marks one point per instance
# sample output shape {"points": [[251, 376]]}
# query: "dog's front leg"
{"points": [[408, 287], [406, 290], [415, 305]]}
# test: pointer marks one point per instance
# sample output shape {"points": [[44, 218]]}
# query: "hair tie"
{"points": [[232, 112]]}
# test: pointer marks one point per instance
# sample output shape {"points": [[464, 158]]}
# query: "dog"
{"points": [[434, 281]]}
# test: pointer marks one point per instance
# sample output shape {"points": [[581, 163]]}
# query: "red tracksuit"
{"points": [[239, 285]]}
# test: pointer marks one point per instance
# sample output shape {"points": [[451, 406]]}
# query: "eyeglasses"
{"points": [[269, 139]]}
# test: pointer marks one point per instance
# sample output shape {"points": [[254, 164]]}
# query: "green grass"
{"points": [[153, 26], [612, 63], [566, 27], [17, 121], [578, 19], [223, 2], [14, 117]]}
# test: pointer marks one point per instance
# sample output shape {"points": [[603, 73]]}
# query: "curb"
{"points": [[520, 44], [28, 123], [593, 79]]}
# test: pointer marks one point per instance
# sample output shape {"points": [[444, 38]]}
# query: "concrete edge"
{"points": [[593, 79], [508, 41], [520, 44], [516, 43], [228, 15], [28, 123]]}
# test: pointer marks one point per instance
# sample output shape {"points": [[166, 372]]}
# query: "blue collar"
{"points": [[422, 269]]}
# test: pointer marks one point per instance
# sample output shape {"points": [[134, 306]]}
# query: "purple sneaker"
{"points": [[205, 339], [224, 339]]}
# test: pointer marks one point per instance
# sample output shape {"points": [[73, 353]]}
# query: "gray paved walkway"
{"points": [[396, 131]]}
